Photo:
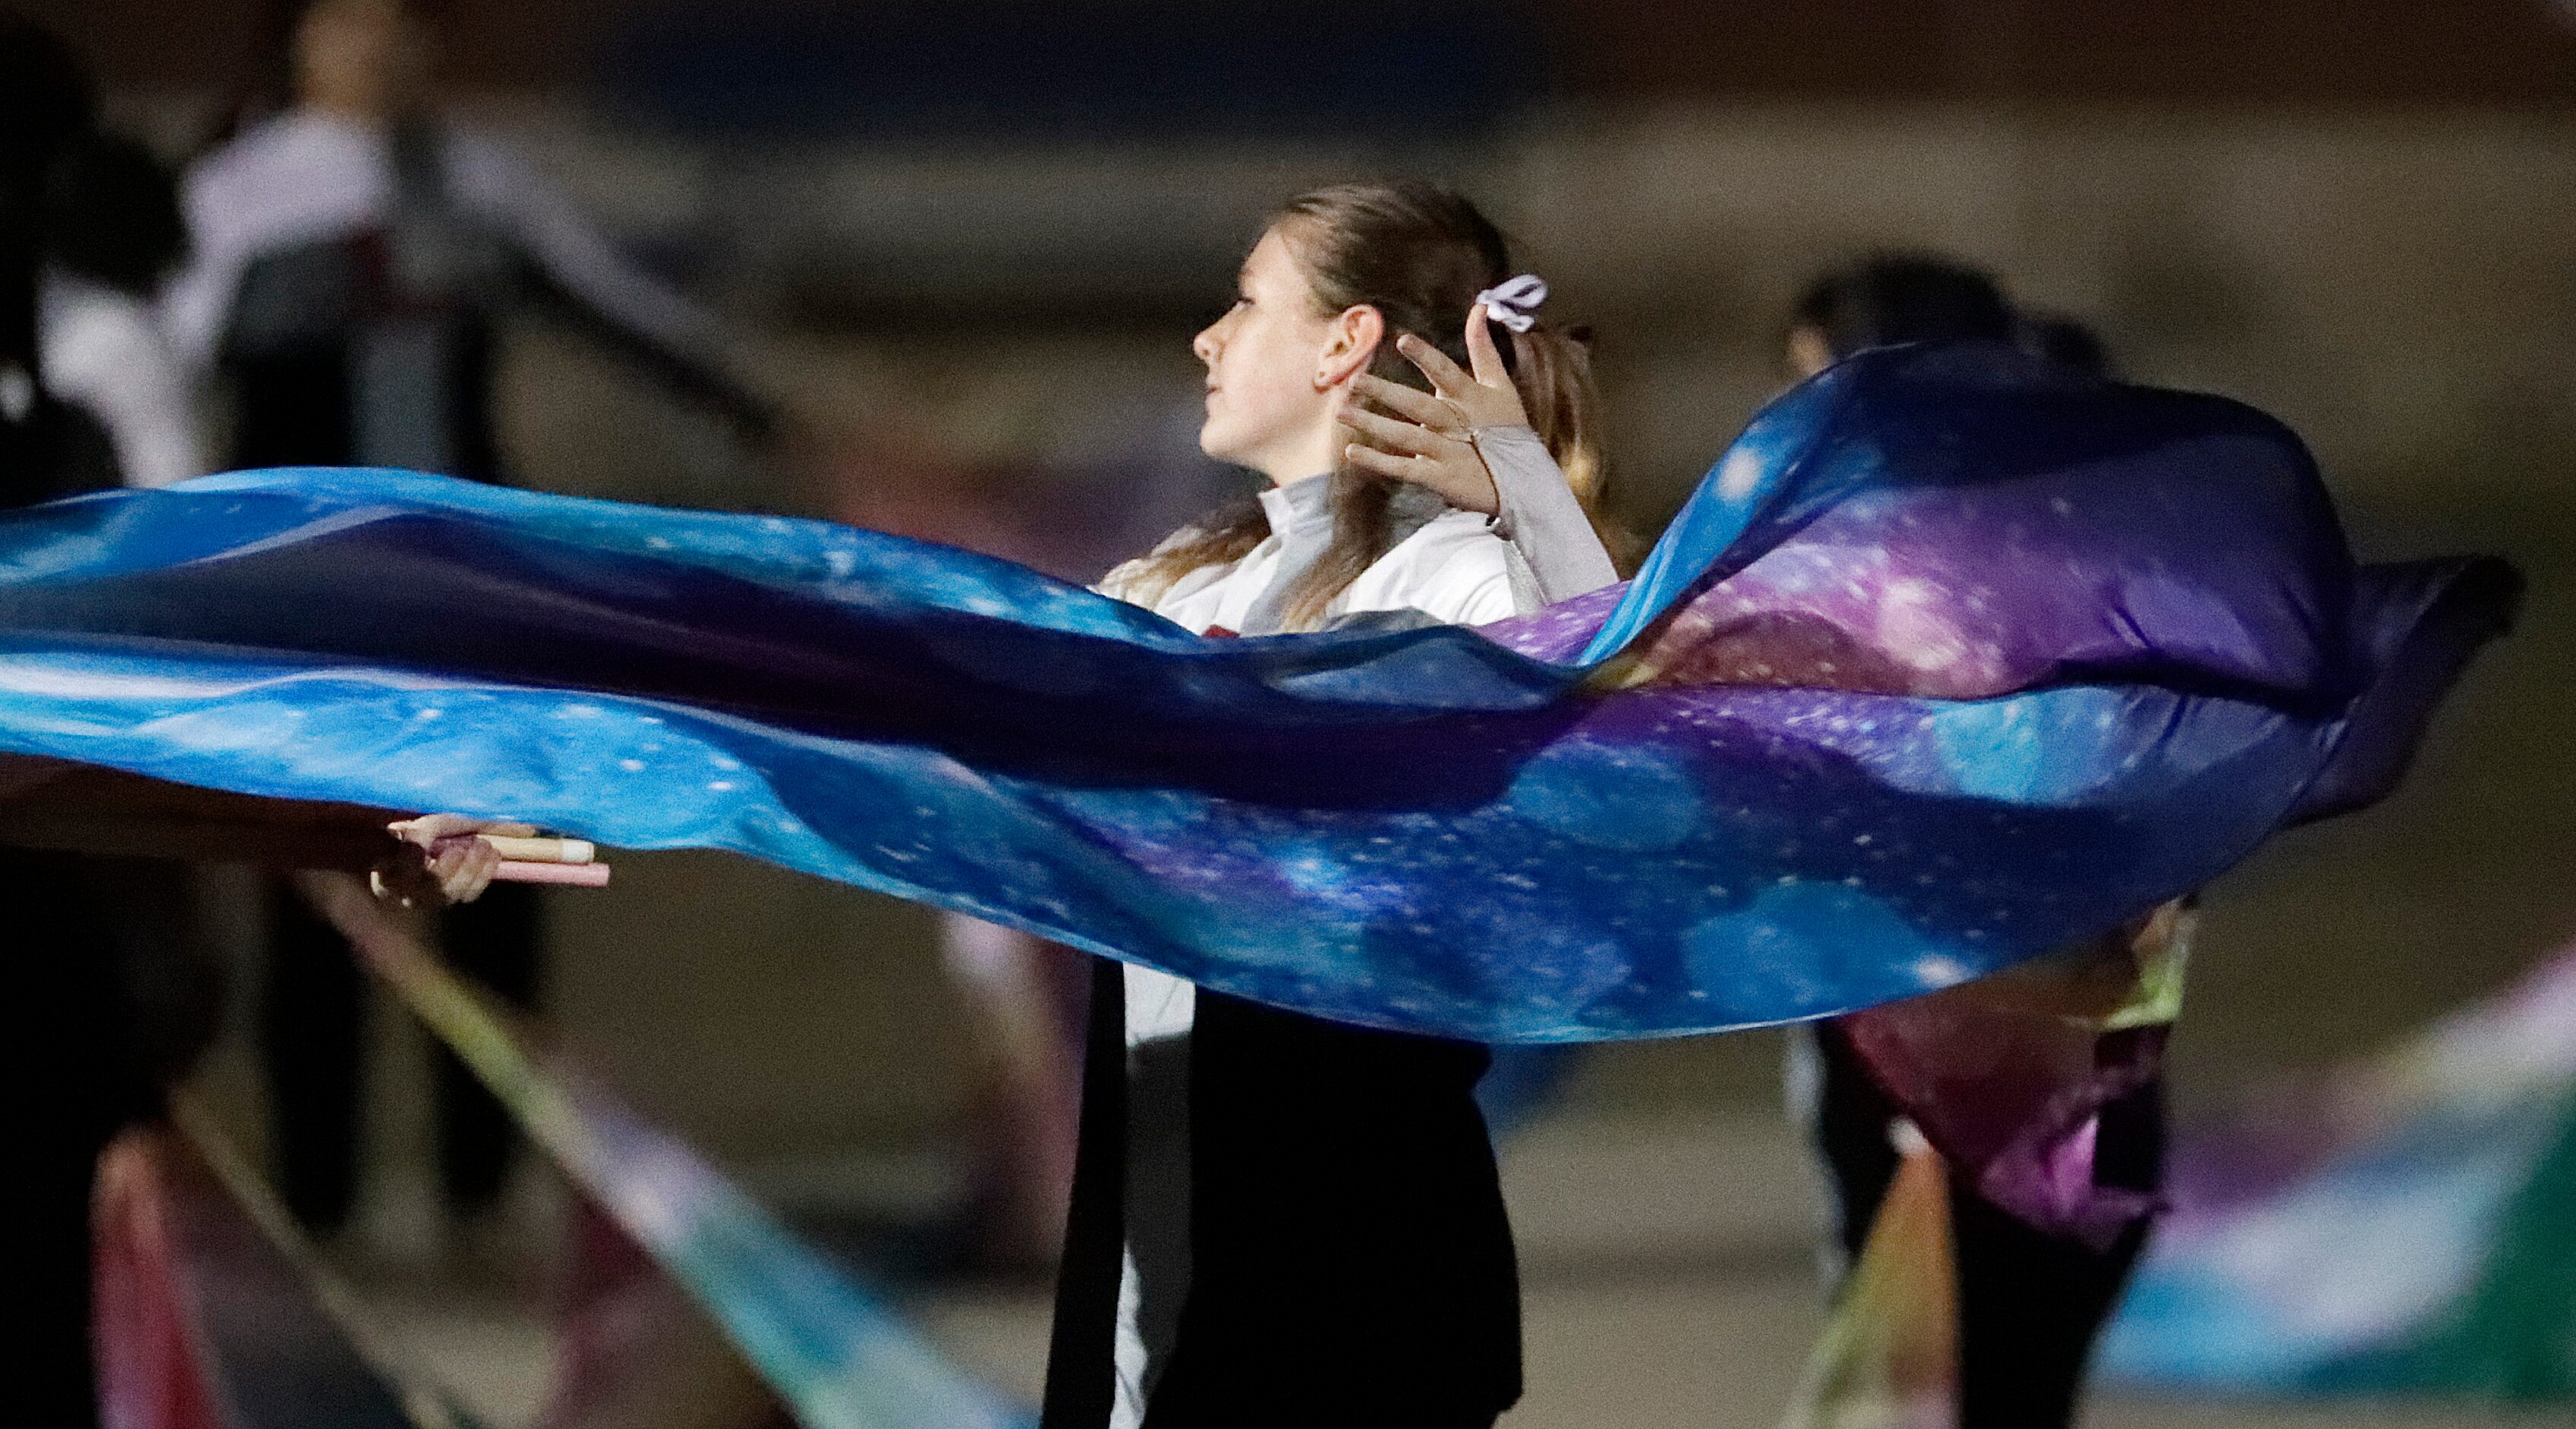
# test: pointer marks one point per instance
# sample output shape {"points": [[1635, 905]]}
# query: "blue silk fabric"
{"points": [[1952, 659]]}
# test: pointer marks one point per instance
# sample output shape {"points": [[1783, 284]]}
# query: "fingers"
{"points": [[1482, 354], [1462, 484], [1447, 378], [430, 828], [1405, 401], [1387, 434], [463, 868], [455, 856], [1388, 465]]}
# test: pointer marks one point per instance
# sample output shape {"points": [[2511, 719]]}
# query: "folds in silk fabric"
{"points": [[1953, 659]]}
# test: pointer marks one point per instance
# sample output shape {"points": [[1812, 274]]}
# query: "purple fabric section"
{"points": [[1759, 792], [2007, 1078]]}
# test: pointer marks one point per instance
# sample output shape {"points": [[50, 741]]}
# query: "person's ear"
{"points": [[1352, 344]]}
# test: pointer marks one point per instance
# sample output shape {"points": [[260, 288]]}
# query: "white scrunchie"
{"points": [[1514, 301]]}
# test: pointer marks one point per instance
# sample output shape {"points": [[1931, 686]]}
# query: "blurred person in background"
{"points": [[58, 1120], [115, 997], [1914, 297], [2066, 341], [2029, 1302], [354, 255], [1893, 298], [1278, 1219], [112, 235], [48, 447]]}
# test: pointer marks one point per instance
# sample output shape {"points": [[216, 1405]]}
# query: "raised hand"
{"points": [[1429, 437]]}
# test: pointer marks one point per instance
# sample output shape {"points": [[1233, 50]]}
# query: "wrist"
{"points": [[1491, 444]]}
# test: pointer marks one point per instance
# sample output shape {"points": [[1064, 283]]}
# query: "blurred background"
{"points": [[964, 246]]}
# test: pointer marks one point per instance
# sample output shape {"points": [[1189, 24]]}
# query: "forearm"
{"points": [[594, 283], [683, 356], [1540, 516]]}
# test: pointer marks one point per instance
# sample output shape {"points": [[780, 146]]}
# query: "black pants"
{"points": [[115, 997], [2030, 1304], [313, 1037], [1350, 1261]]}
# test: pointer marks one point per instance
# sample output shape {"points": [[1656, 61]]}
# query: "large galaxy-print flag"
{"points": [[1953, 659]]}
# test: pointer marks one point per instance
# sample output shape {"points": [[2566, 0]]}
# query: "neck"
{"points": [[1309, 454]]}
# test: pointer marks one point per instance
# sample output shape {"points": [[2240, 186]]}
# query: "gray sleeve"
{"points": [[1540, 517]]}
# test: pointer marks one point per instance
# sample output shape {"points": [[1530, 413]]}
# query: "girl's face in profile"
{"points": [[364, 58], [1270, 371]]}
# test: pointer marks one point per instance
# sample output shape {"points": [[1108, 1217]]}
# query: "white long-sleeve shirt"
{"points": [[1458, 568], [1453, 568], [306, 177], [105, 353]]}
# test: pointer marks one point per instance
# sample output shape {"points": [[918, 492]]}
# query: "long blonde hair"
{"points": [[1419, 254]]}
